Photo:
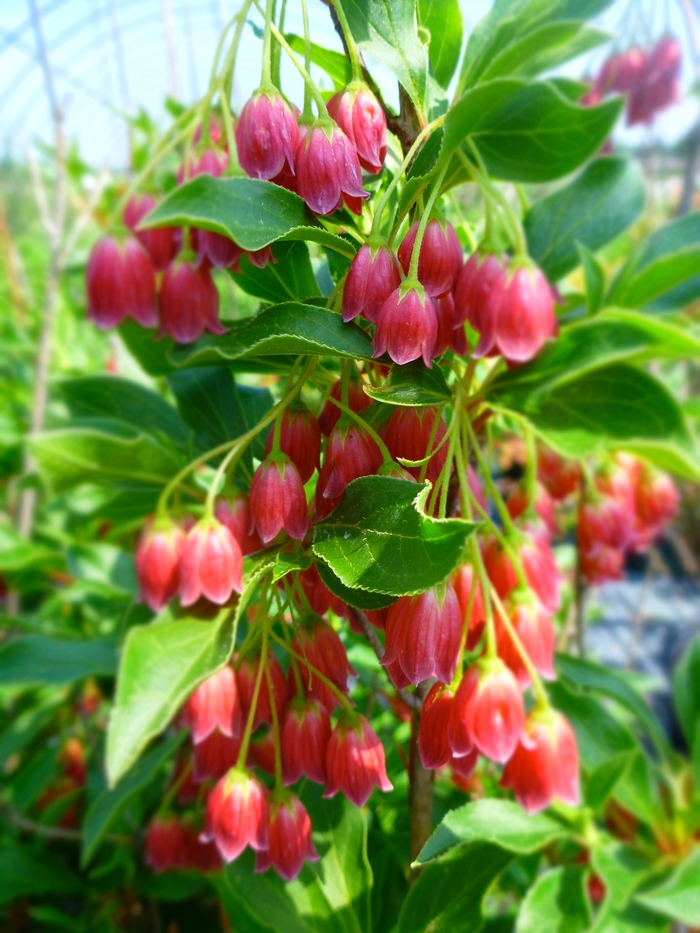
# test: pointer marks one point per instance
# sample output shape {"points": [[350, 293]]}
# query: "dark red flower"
{"points": [[234, 513], [165, 843], [267, 136], [120, 283], [408, 434], [433, 741], [321, 646], [328, 171], [215, 756], [189, 303], [161, 243], [360, 116], [440, 256], [407, 327], [373, 275], [350, 453], [535, 630], [277, 500], [355, 760], [358, 400], [306, 731], [474, 285], [300, 439], [319, 596], [289, 837], [247, 674]]}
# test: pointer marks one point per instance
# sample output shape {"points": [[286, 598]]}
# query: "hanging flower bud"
{"points": [[120, 283], [423, 633], [277, 500], [158, 559], [535, 630], [327, 170], [214, 705], [165, 844], [189, 304], [474, 285], [161, 243], [440, 256], [433, 742], [539, 565], [319, 596], [247, 675], [355, 760], [321, 646], [656, 502], [237, 815], [261, 751], [602, 564], [448, 335], [519, 503], [607, 521], [209, 162], [358, 400], [560, 477], [215, 251], [300, 439], [351, 452], [462, 768], [464, 582], [408, 434], [373, 275], [289, 837], [306, 731], [212, 564], [234, 513], [545, 764], [519, 317], [267, 136], [360, 116], [202, 857], [488, 712], [406, 327], [215, 756]]}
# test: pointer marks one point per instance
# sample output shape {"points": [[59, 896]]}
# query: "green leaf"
{"points": [[443, 20], [447, 897], [387, 30], [252, 213], [329, 896], [556, 903], [662, 272], [290, 278], [290, 328], [527, 132], [123, 400], [360, 599], [40, 659], [679, 896], [101, 451], [379, 518], [617, 407], [686, 691], [108, 806], [595, 208], [336, 65], [501, 822], [412, 385], [162, 664], [622, 869], [594, 278], [25, 872], [605, 778]]}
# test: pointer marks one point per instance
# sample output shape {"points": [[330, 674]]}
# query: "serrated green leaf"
{"points": [[412, 385], [500, 822], [597, 206], [360, 599], [381, 517]]}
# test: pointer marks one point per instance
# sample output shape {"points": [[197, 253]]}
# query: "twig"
{"points": [[55, 832], [412, 700]]}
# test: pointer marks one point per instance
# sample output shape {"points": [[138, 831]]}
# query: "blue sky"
{"points": [[93, 88]]}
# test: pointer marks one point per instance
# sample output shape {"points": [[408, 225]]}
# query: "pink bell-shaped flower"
{"points": [[433, 740], [407, 326], [355, 761], [237, 815], [267, 136], [120, 283], [440, 256], [158, 560], [321, 646], [212, 564], [360, 116], [306, 731], [535, 630], [277, 500], [408, 434], [373, 275], [189, 303], [300, 439], [328, 171], [289, 837], [214, 705]]}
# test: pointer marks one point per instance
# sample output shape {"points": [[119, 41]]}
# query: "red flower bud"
{"points": [[488, 712], [214, 705], [433, 742], [215, 756], [165, 844], [277, 500], [267, 136], [656, 500], [319, 596], [210, 162], [300, 440], [373, 275], [235, 515], [321, 646], [406, 327], [189, 303], [355, 760], [519, 317], [463, 582], [261, 752], [162, 243], [440, 256], [358, 400], [247, 675], [158, 560], [534, 628], [560, 477], [327, 170], [120, 283], [360, 116], [474, 285], [237, 815], [423, 633], [519, 503], [602, 564], [212, 564], [604, 520], [350, 453], [305, 734], [545, 765], [200, 856], [408, 434], [216, 251], [540, 568], [289, 837]]}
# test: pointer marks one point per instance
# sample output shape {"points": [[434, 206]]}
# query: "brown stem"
{"points": [[422, 784]]}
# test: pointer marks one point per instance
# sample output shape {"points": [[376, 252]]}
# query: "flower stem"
{"points": [[279, 780], [425, 219], [262, 664], [537, 685], [342, 698], [351, 45]]}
